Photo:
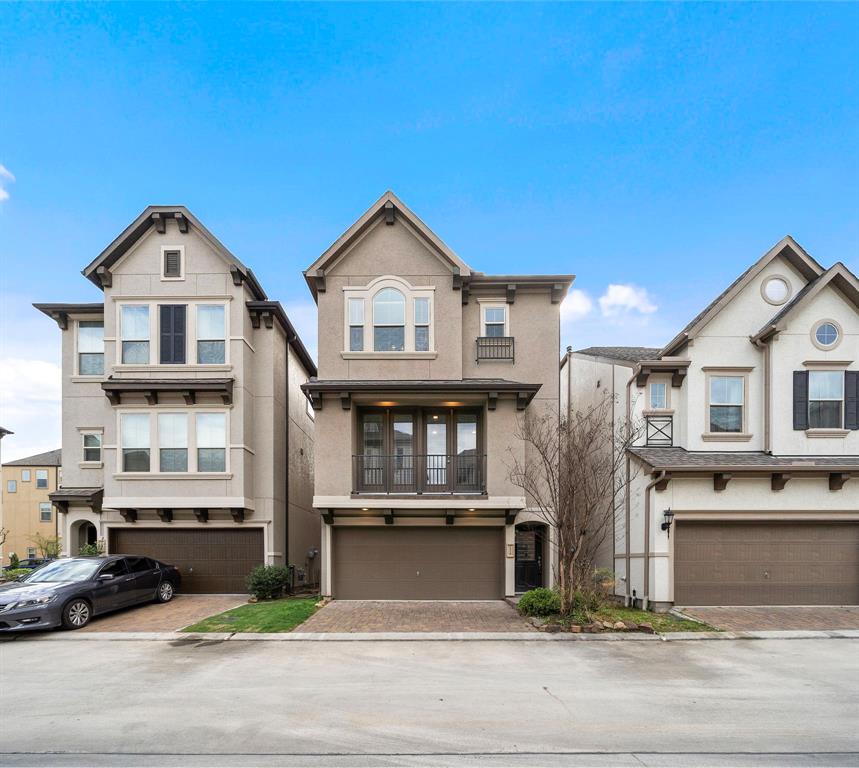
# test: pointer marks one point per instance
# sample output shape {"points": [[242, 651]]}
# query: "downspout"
{"points": [[286, 473], [646, 597], [767, 350], [626, 500]]}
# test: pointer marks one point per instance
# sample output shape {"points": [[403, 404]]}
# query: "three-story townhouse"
{"points": [[744, 485], [185, 434], [425, 369]]}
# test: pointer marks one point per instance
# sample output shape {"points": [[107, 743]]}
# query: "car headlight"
{"points": [[31, 602]]}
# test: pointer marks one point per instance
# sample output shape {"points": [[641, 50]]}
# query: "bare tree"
{"points": [[573, 475], [47, 546], [4, 534]]}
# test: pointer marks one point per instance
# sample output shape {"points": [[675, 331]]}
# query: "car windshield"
{"points": [[64, 570]]}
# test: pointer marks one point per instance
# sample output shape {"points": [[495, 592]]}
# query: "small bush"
{"points": [[268, 581], [540, 602], [13, 561], [14, 573], [92, 549]]}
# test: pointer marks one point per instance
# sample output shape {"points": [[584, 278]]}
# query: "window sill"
{"points": [[130, 368], [726, 437], [90, 464], [172, 475], [389, 355], [658, 412], [827, 432], [87, 379]]}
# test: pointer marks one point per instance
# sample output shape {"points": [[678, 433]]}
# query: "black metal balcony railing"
{"points": [[494, 348], [410, 473], [659, 430]]}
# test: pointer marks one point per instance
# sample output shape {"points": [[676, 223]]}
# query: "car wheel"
{"points": [[76, 614], [165, 592]]}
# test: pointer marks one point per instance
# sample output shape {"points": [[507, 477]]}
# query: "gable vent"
{"points": [[172, 264]]}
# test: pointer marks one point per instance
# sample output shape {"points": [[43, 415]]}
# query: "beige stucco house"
{"points": [[186, 436], [425, 368], [26, 510], [744, 485]]}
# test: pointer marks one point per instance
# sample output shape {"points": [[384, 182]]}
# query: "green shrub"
{"points": [[92, 549], [540, 602], [268, 581], [14, 573], [14, 561]]}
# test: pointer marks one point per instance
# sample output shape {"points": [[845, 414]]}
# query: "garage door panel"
{"points": [[418, 563], [766, 563], [211, 561]]}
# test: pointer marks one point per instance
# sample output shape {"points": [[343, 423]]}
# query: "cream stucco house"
{"points": [[745, 483], [186, 436], [425, 368]]}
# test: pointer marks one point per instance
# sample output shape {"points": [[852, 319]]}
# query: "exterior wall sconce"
{"points": [[667, 519]]}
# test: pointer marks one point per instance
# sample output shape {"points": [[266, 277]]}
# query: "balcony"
{"points": [[419, 474], [659, 431], [495, 348]]}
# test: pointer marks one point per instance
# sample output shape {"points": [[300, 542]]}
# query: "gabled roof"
{"points": [[98, 271], [388, 206], [837, 275], [627, 354], [787, 248], [49, 459]]}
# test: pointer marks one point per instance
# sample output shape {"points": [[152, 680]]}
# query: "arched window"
{"points": [[389, 321]]}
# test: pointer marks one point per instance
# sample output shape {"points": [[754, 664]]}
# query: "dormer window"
{"points": [[173, 263]]}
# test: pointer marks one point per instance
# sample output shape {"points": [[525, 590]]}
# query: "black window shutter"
{"points": [[800, 400], [172, 264], [851, 400], [172, 334]]}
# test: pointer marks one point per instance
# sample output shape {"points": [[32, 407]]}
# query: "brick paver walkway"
{"points": [[180, 612], [746, 618], [416, 616]]}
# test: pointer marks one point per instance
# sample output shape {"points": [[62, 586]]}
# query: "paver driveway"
{"points": [[416, 616], [748, 618], [180, 612]]}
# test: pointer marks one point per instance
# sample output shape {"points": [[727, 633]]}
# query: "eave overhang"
{"points": [[556, 285], [676, 366], [63, 497], [115, 389], [59, 313], [265, 313]]}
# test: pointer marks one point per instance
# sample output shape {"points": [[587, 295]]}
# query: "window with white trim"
{"points": [[45, 515], [355, 308], [211, 442], [422, 324], [172, 267], [90, 347], [658, 395], [726, 403], [11, 486], [25, 475], [41, 478], [173, 442], [389, 321], [92, 446], [494, 320], [825, 399], [134, 330], [134, 441], [31, 553], [211, 334]]}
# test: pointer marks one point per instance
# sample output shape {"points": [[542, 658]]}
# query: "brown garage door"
{"points": [[418, 563], [766, 564], [212, 561]]}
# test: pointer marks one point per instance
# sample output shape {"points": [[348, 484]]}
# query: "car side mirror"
{"points": [[105, 577]]}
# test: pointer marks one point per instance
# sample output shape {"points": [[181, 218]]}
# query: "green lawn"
{"points": [[266, 616], [661, 622]]}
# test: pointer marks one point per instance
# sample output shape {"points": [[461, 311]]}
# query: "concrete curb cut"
{"points": [[182, 638]]}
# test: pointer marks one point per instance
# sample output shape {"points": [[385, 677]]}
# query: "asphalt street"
{"points": [[744, 702]]}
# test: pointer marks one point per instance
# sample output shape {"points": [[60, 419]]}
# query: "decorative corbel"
{"points": [[105, 276], [181, 221], [319, 280], [61, 506], [509, 516], [837, 480], [389, 517], [238, 515], [202, 515], [346, 401], [166, 515], [129, 515], [160, 223], [492, 401], [151, 397], [557, 293], [457, 279], [227, 394], [328, 516], [466, 291], [511, 293], [641, 376], [721, 480], [663, 482], [677, 377], [389, 213], [113, 397], [521, 401], [779, 480], [61, 319], [316, 401], [268, 320], [449, 517], [189, 396], [237, 275]]}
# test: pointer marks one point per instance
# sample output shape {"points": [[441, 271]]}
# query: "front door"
{"points": [[529, 557]]}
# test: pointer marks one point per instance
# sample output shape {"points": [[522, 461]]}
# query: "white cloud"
{"points": [[623, 300], [576, 305], [6, 178], [29, 406]]}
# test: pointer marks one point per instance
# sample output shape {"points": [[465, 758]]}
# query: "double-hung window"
{"points": [[11, 486], [134, 437], [389, 321], [172, 332], [173, 442], [41, 478], [825, 399], [422, 324], [495, 321], [726, 403], [90, 348], [25, 475], [658, 395], [211, 334], [44, 511], [356, 325], [92, 446], [134, 328], [211, 442]]}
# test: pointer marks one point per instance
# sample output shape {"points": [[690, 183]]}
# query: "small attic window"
{"points": [[776, 290], [172, 263]]}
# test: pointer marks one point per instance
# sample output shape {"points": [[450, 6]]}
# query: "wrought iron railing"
{"points": [[659, 430], [411, 473], [495, 348]]}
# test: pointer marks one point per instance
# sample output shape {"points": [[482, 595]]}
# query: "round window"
{"points": [[776, 290], [826, 334]]}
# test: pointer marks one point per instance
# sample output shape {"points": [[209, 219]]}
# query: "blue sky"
{"points": [[652, 150]]}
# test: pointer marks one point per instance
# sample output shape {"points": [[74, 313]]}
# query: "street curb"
{"points": [[188, 638]]}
